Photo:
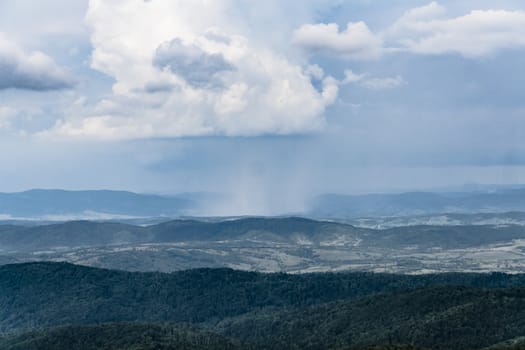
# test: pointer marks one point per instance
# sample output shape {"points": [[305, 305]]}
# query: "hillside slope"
{"points": [[449, 317], [118, 336], [262, 311]]}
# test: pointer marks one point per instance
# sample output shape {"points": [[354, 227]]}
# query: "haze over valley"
{"points": [[125, 237]]}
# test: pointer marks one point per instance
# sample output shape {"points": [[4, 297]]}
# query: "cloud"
{"points": [[197, 67], [373, 83], [356, 41], [422, 30], [156, 87], [29, 71], [383, 83], [478, 33], [6, 115], [168, 63], [351, 77], [315, 71], [215, 35], [429, 12]]}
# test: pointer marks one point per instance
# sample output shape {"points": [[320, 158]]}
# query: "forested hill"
{"points": [[448, 317], [263, 311], [60, 293], [119, 336]]}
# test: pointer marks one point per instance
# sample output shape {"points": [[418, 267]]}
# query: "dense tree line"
{"points": [[47, 294], [118, 336], [263, 311], [434, 317]]}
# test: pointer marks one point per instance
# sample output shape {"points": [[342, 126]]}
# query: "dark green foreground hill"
{"points": [[118, 336], [129, 336], [434, 317], [122, 310]]}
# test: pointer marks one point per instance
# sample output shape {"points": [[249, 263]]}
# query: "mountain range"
{"points": [[57, 205], [418, 203], [60, 205]]}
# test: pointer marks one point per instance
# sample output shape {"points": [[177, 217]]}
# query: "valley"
{"points": [[292, 245]]}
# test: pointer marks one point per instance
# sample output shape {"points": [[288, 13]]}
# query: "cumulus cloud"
{"points": [[29, 71], [421, 30], [197, 67], [184, 69], [481, 32], [356, 41]]}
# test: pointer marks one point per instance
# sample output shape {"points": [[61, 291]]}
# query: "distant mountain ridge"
{"points": [[61, 205], [49, 203], [417, 203]]}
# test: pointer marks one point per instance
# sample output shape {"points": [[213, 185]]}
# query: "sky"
{"points": [[270, 102]]}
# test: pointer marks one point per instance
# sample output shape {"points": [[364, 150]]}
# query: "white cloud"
{"points": [[356, 41], [413, 17], [187, 68], [478, 33], [421, 30], [315, 71], [383, 83], [373, 83], [30, 71], [351, 77]]}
